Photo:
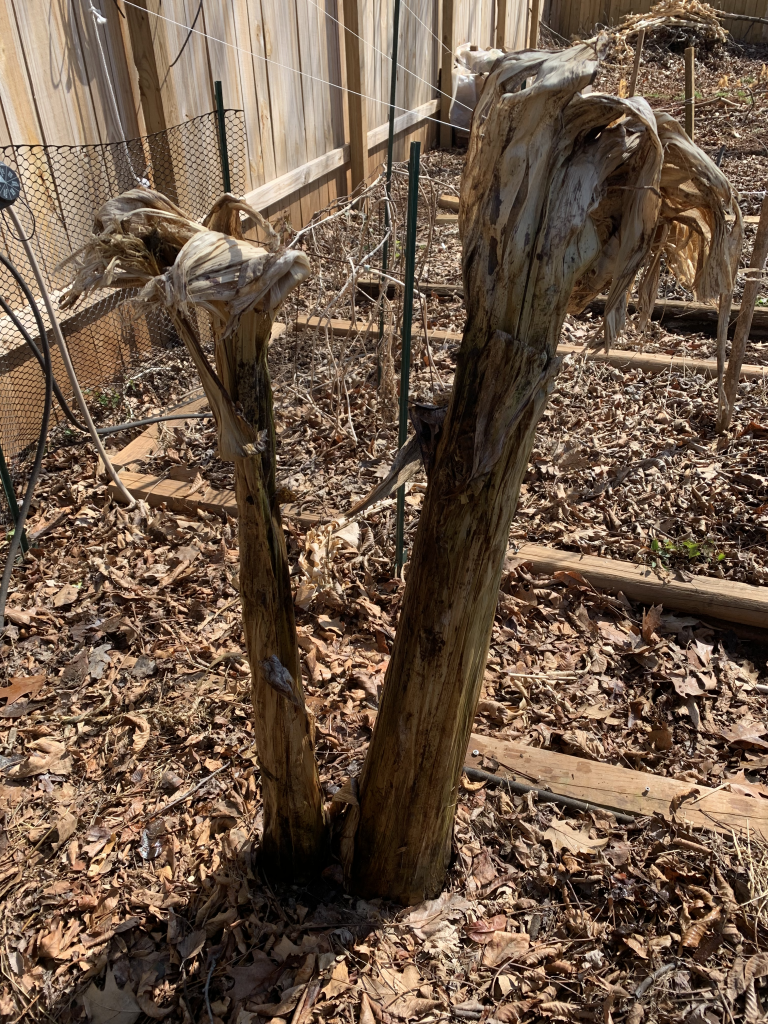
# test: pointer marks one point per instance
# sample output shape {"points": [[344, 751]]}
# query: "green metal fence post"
{"points": [[223, 152], [405, 355]]}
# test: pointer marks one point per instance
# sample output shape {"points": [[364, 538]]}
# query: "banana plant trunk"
{"points": [[294, 837], [539, 161]]}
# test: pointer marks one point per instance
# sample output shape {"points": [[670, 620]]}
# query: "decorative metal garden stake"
{"points": [[405, 365]]}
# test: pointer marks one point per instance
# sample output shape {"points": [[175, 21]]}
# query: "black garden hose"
{"points": [[13, 549]]}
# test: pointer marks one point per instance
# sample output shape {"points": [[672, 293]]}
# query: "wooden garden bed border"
{"points": [[648, 362]]}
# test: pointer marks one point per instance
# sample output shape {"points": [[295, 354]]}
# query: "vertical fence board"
{"points": [[16, 98], [249, 12], [281, 47], [58, 78], [226, 65]]}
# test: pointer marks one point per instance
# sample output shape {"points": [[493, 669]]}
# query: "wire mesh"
{"points": [[62, 187]]}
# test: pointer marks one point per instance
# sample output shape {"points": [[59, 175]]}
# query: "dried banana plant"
{"points": [[699, 233], [141, 240], [560, 194]]}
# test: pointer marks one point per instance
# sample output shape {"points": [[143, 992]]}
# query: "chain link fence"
{"points": [[109, 334]]}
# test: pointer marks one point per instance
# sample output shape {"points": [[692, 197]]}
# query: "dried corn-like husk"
{"points": [[143, 240], [694, 235]]}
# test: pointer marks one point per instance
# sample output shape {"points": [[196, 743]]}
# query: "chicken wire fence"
{"points": [[61, 189]]}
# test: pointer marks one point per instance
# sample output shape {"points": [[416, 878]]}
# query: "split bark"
{"points": [[744, 321], [540, 163]]}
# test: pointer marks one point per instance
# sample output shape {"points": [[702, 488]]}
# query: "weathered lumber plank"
{"points": [[648, 362], [146, 444], [622, 789], [676, 313], [178, 495], [660, 362], [181, 496], [702, 595]]}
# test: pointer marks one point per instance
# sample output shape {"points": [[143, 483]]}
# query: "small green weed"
{"points": [[664, 553]]}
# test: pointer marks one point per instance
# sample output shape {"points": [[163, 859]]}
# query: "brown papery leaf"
{"points": [[743, 734], [687, 687], [651, 622], [21, 686], [661, 737], [563, 837], [482, 931], [504, 946], [743, 974], [679, 799], [366, 1012], [141, 736], [192, 944], [252, 978], [483, 870], [693, 935], [113, 1005]]}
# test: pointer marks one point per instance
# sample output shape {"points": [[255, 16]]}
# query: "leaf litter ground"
{"points": [[130, 786]]}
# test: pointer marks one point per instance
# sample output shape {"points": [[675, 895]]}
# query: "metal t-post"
{"points": [[223, 151], [405, 355]]}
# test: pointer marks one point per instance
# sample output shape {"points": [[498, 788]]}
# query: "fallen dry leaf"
{"points": [[662, 737], [366, 1011], [744, 974], [651, 622], [483, 870], [113, 1005], [145, 1000], [192, 944], [563, 837], [745, 734], [66, 596], [22, 686], [693, 935], [287, 1004], [142, 734], [427, 918], [687, 687], [482, 931], [679, 799], [411, 1007], [504, 946], [64, 827], [338, 982], [251, 979]]}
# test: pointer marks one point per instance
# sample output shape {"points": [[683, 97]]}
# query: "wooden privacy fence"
{"points": [[579, 17], [133, 68]]}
